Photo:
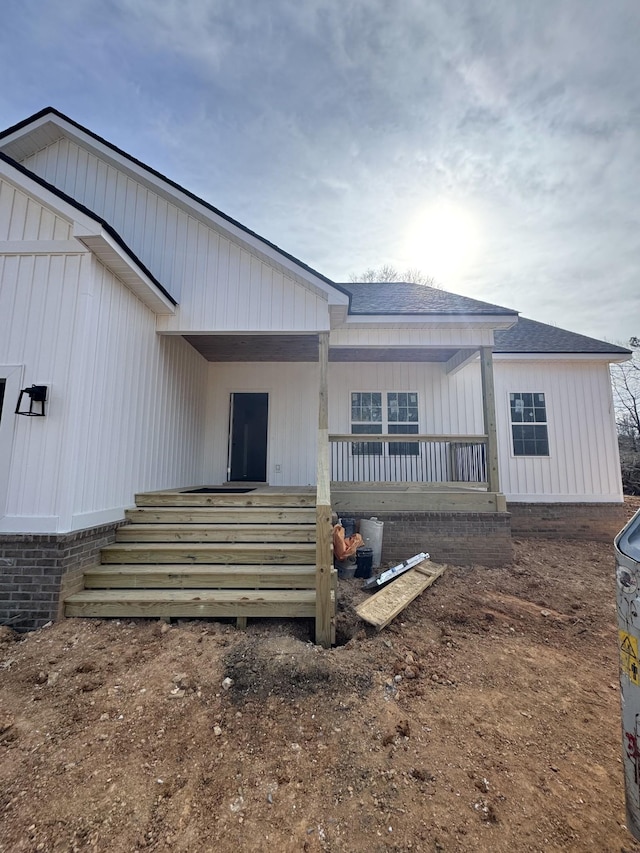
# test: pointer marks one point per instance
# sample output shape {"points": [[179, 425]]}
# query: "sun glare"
{"points": [[443, 241]]}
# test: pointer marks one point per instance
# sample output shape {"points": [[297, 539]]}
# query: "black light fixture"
{"points": [[37, 394]]}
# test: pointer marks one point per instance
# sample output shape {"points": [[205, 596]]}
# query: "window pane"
{"points": [[530, 440], [366, 406], [363, 429], [366, 448], [403, 448]]}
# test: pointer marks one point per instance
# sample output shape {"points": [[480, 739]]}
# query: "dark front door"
{"points": [[248, 437]]}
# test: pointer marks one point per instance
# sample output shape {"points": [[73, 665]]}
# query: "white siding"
{"points": [[126, 406], [293, 418], [583, 463], [142, 407], [447, 404], [22, 218], [39, 327], [220, 285]]}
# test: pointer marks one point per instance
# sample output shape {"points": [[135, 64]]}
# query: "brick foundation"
{"points": [[599, 522], [37, 571], [460, 538]]}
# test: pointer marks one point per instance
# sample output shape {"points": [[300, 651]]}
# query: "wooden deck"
{"points": [[209, 555]]}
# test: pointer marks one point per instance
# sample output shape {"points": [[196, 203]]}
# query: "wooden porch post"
{"points": [[324, 554], [489, 412]]}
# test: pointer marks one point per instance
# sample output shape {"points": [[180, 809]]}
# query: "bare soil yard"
{"points": [[486, 717]]}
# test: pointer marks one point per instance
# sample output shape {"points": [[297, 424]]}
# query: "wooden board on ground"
{"points": [[385, 605]]}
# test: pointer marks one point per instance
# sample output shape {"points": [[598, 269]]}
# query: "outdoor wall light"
{"points": [[37, 395]]}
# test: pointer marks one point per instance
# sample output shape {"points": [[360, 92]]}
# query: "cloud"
{"points": [[328, 127]]}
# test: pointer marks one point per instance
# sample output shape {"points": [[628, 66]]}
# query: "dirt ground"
{"points": [[486, 717]]}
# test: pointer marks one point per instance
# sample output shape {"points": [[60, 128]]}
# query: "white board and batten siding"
{"points": [[583, 464], [292, 420], [220, 285], [39, 327], [23, 218], [142, 407], [125, 408], [446, 404]]}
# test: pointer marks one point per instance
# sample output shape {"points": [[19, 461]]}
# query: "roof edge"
{"points": [[85, 210]]}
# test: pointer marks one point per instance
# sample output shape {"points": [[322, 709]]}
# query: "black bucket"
{"points": [[349, 525], [364, 559]]}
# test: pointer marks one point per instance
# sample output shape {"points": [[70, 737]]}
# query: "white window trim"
{"points": [[524, 423]]}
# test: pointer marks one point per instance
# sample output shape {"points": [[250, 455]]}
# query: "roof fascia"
{"points": [[172, 191], [608, 357], [86, 228], [111, 254], [430, 321]]}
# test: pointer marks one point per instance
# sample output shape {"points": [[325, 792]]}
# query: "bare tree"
{"points": [[626, 394], [387, 272]]}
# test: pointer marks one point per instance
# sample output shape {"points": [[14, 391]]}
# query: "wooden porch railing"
{"points": [[406, 458], [324, 543]]}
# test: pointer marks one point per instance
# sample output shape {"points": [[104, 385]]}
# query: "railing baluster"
{"points": [[440, 459]]}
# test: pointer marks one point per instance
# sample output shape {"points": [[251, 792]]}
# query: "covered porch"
{"points": [[254, 546], [450, 413]]}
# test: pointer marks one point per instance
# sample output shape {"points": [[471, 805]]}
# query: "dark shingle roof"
{"points": [[531, 336], [401, 297]]}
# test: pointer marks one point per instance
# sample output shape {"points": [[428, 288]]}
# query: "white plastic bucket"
{"points": [[371, 532]]}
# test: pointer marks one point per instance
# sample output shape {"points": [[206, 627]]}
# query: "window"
{"points": [[529, 425], [398, 416], [3, 382]]}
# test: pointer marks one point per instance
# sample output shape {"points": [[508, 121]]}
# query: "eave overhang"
{"points": [[91, 233]]}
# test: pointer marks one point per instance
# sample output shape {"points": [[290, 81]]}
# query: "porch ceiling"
{"points": [[256, 347], [305, 348]]}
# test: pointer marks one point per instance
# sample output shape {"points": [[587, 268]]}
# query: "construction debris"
{"points": [[386, 604], [394, 572]]}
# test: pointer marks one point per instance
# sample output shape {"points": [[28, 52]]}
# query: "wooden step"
{"points": [[216, 533], [222, 515], [203, 603], [249, 553], [255, 499], [200, 577]]}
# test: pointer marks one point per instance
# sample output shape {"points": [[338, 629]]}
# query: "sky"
{"points": [[494, 145]]}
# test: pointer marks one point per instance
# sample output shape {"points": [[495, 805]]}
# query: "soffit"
{"points": [[246, 347]]}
